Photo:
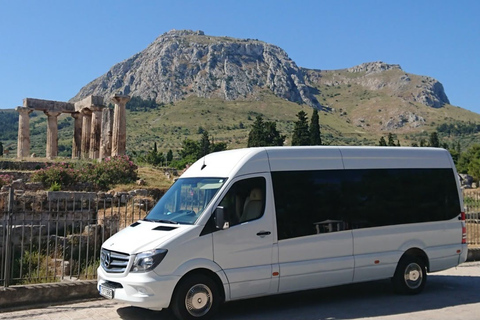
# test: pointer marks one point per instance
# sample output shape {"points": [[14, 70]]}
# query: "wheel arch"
{"points": [[206, 272], [419, 253]]}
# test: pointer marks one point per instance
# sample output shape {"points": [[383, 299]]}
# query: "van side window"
{"points": [[312, 202], [245, 201]]}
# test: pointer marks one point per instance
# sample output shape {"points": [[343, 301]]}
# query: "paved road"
{"points": [[450, 294]]}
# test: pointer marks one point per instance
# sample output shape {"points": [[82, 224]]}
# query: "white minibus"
{"points": [[260, 221]]}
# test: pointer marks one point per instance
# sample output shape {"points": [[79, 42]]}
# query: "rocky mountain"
{"points": [[184, 63], [378, 75], [220, 84]]}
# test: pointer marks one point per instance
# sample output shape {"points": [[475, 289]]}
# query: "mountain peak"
{"points": [[180, 63], [374, 67]]}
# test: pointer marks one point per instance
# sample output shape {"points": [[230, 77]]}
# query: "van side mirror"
{"points": [[219, 217]]}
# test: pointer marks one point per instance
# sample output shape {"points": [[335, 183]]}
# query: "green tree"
{"points": [[193, 150], [434, 141], [219, 146], [204, 145], [314, 129], [272, 135], [153, 156], [190, 149], [264, 134], [467, 158], [169, 156], [256, 136], [139, 104], [382, 142], [1, 149], [391, 141], [301, 136]]}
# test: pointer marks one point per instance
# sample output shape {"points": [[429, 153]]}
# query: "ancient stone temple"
{"points": [[99, 132]]}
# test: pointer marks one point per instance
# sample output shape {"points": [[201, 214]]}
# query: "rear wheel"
{"points": [[196, 297], [410, 276]]}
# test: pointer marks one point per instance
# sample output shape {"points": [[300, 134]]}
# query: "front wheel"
{"points": [[196, 297], [410, 276]]}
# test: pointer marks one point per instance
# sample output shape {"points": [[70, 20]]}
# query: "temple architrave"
{"points": [[99, 132]]}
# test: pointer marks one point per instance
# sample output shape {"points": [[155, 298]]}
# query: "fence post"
{"points": [[8, 245]]}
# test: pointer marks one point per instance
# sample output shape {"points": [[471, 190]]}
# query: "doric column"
{"points": [[23, 144], [106, 135], [119, 135], [86, 128], [77, 135], [95, 134], [52, 134]]}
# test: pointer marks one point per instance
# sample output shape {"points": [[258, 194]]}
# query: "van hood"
{"points": [[144, 235]]}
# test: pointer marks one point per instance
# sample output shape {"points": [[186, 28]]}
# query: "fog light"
{"points": [[142, 290]]}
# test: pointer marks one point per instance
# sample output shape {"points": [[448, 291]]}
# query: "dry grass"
{"points": [[154, 178]]}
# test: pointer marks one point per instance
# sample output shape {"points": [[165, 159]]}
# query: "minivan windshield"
{"points": [[185, 201]]}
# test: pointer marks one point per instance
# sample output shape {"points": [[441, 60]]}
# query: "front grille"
{"points": [[114, 262]]}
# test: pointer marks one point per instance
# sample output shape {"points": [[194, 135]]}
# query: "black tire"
{"points": [[410, 276], [196, 296]]}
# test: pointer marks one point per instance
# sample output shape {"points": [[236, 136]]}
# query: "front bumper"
{"points": [[144, 290]]}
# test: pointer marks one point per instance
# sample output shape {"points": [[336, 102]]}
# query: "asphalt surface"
{"points": [[450, 294]]}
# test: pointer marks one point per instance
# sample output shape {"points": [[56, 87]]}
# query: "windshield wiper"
{"points": [[161, 221]]}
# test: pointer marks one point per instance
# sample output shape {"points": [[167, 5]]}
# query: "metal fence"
{"points": [[471, 201], [57, 236]]}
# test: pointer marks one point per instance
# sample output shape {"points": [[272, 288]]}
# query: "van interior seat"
{"points": [[252, 208]]}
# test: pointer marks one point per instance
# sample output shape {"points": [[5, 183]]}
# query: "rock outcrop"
{"points": [[389, 77], [182, 63]]}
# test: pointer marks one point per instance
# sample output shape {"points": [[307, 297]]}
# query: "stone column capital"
{"points": [[76, 115], [52, 113], [120, 99], [86, 112], [23, 110]]}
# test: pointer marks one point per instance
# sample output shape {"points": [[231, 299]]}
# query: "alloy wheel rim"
{"points": [[199, 300]]}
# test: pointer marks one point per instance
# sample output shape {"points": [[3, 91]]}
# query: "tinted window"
{"points": [[245, 201], [311, 202]]}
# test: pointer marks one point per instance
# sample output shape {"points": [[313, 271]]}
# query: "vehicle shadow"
{"points": [[372, 299]]}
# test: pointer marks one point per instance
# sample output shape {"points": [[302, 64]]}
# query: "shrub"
{"points": [[102, 175], [5, 179], [58, 173], [112, 171], [55, 187]]}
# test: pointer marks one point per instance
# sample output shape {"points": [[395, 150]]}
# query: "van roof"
{"points": [[264, 159]]}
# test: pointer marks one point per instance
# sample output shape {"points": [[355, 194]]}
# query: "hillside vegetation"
{"points": [[354, 118], [186, 82]]}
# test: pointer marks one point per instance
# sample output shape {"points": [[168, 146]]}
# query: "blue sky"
{"points": [[50, 49]]}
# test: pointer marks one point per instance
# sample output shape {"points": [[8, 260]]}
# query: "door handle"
{"points": [[263, 233]]}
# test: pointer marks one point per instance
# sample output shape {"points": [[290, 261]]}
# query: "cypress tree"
{"points": [[170, 155], [301, 136], [434, 141], [204, 145], [391, 142], [382, 142], [256, 137], [314, 129], [272, 135], [1, 149]]}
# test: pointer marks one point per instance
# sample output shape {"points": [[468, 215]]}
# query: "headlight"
{"points": [[148, 260]]}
